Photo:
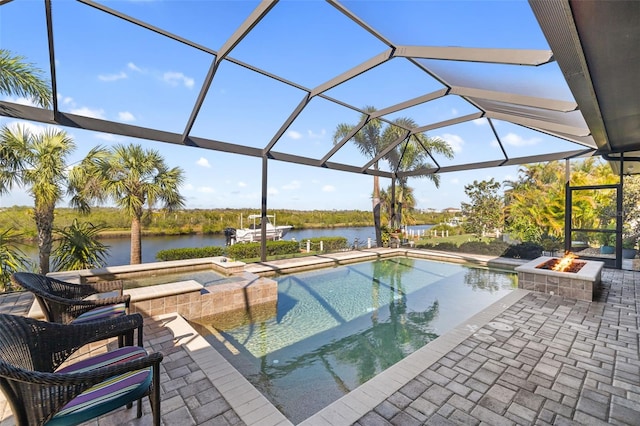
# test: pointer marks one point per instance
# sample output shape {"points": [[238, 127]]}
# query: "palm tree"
{"points": [[37, 161], [20, 78], [370, 142], [12, 259], [412, 155], [78, 247], [135, 179]]}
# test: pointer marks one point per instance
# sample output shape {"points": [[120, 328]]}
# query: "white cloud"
{"points": [[494, 144], [328, 188], [206, 189], [32, 128], [455, 181], [480, 122], [133, 67], [319, 135], [175, 78], [88, 112], [108, 137], [454, 111], [294, 135], [272, 191], [66, 100], [126, 116], [113, 77], [203, 162], [22, 101], [455, 141], [517, 140], [188, 187], [242, 184], [295, 184]]}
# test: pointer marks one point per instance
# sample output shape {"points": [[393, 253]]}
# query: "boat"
{"points": [[254, 231]]}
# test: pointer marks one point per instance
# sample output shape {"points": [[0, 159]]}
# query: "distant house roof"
{"points": [[451, 210]]}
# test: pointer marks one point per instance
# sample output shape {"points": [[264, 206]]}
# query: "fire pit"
{"points": [[565, 276]]}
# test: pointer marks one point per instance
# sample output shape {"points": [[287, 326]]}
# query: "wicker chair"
{"points": [[39, 392], [68, 303]]}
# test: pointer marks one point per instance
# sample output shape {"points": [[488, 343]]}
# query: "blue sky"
{"points": [[108, 68]]}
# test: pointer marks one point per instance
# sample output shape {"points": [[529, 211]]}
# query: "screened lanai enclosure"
{"points": [[525, 82]]}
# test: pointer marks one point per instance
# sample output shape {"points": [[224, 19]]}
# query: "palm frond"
{"points": [[20, 78]]}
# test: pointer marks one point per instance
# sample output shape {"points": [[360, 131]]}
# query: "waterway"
{"points": [[119, 248]]}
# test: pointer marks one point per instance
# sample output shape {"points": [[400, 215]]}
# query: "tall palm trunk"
{"points": [[136, 237], [43, 216]]}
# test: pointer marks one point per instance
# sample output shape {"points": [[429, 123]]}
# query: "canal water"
{"points": [[119, 248]]}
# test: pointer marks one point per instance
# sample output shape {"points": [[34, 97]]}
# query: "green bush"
{"points": [[493, 248], [524, 250], [252, 250], [439, 246], [329, 243], [190, 253]]}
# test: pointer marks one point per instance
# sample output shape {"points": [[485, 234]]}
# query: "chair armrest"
{"points": [[105, 286], [57, 341], [93, 303], [66, 310]]}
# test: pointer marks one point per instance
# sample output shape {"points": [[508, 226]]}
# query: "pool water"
{"points": [[334, 329], [206, 277]]}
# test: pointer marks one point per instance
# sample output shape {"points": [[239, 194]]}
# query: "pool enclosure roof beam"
{"points": [[240, 33], [596, 67], [464, 54], [497, 163], [512, 98], [410, 103]]}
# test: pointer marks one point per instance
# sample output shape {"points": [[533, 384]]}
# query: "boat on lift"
{"points": [[254, 231]]}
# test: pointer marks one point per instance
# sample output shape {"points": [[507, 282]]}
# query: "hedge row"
{"points": [[252, 250], [190, 253], [278, 248], [493, 248], [328, 243]]}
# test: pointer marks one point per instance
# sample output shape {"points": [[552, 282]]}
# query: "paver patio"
{"points": [[542, 360]]}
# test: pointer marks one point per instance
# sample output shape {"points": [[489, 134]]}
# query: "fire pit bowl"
{"points": [[578, 283]]}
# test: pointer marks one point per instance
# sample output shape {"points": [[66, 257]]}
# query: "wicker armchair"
{"points": [[39, 392], [65, 302]]}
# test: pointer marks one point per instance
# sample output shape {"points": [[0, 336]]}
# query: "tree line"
{"points": [[532, 207], [193, 221]]}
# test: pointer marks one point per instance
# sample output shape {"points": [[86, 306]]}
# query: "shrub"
{"points": [[329, 243], [439, 246], [492, 248], [189, 253], [252, 250], [524, 250]]}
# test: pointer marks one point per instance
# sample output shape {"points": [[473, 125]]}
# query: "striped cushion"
{"points": [[108, 395], [103, 312]]}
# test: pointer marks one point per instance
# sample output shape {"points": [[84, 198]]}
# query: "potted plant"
{"points": [[629, 249], [607, 241]]}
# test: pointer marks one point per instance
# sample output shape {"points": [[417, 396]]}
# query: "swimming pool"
{"points": [[336, 328]]}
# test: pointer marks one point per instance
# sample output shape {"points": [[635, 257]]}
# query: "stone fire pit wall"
{"points": [[579, 285]]}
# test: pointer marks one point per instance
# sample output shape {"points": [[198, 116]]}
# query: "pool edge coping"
{"points": [[254, 408]]}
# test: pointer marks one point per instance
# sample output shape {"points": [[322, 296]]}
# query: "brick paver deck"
{"points": [[542, 360], [554, 361]]}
